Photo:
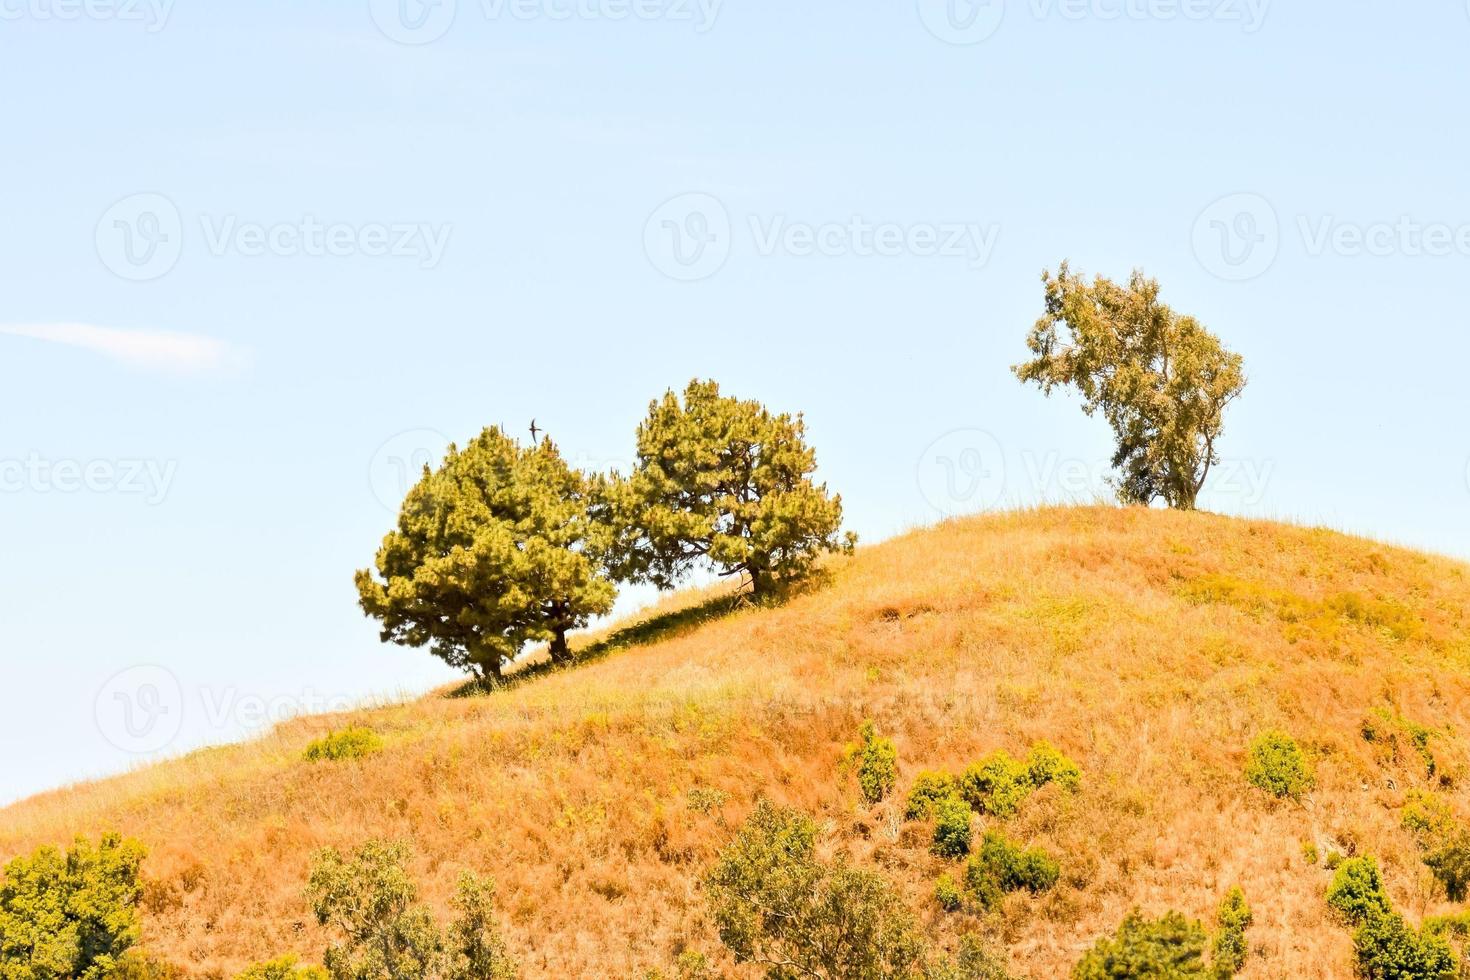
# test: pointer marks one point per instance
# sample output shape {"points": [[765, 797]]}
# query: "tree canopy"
{"points": [[1160, 379], [495, 549], [722, 481]]}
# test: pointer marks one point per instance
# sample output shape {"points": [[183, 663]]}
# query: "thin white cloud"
{"points": [[154, 350]]}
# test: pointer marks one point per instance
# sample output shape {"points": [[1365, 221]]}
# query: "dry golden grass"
{"points": [[1149, 646]]}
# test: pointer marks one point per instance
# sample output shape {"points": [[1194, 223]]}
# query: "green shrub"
{"points": [[349, 743], [1170, 948], [1357, 893], [1001, 866], [284, 968], [1387, 949], [877, 765], [372, 902], [70, 915], [773, 901], [948, 893], [1233, 920], [1047, 765], [1276, 764], [952, 828], [1309, 852], [1443, 840], [928, 789], [996, 785], [973, 961]]}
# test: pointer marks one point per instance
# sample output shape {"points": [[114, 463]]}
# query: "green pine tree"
{"points": [[495, 550]]}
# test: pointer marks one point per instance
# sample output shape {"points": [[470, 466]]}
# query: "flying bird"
{"points": [[534, 430]]}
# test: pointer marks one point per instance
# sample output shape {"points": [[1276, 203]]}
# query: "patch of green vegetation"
{"points": [[948, 893], [1387, 617], [998, 784], [1443, 841], [1357, 893], [877, 764], [928, 790], [284, 968], [1001, 866], [350, 743], [71, 915], [952, 818], [1168, 948], [1233, 919], [1275, 764], [1388, 949]]}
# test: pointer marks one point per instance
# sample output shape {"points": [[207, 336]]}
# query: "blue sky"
{"points": [[262, 257]]}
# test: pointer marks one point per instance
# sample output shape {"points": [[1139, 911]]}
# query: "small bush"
{"points": [[773, 901], [1387, 949], [877, 765], [350, 743], [1047, 765], [1001, 866], [1170, 948], [1276, 764], [1230, 945], [1357, 893], [973, 961], [1443, 840], [996, 785], [928, 789], [948, 893], [952, 828], [71, 915], [284, 968], [1309, 852]]}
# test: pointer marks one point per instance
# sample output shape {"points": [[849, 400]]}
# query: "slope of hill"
{"points": [[1149, 646]]}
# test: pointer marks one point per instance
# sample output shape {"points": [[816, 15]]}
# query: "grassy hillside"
{"points": [[1150, 647]]}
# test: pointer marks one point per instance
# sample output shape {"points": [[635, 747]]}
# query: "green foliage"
{"points": [[948, 893], [1170, 948], [371, 900], [722, 482], [1161, 380], [1387, 949], [1046, 764], [284, 968], [877, 765], [70, 915], [1275, 763], [1443, 840], [1357, 892], [1234, 919], [952, 817], [973, 961], [780, 908], [998, 784], [496, 549], [928, 789], [1003, 865], [349, 743]]}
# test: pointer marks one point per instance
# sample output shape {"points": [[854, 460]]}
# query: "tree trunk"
{"points": [[561, 651]]}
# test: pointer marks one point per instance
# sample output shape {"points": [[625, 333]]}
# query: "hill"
{"points": [[1151, 647]]}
